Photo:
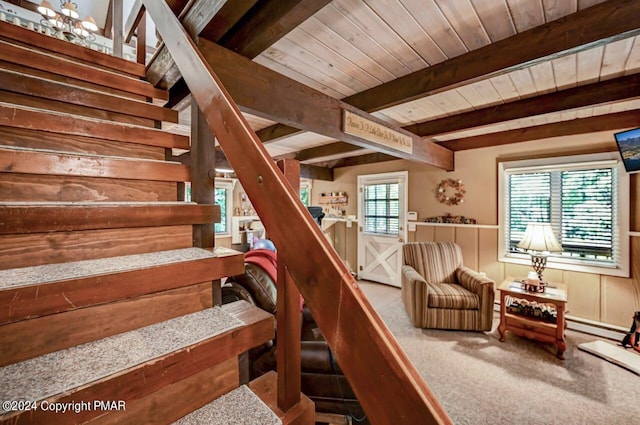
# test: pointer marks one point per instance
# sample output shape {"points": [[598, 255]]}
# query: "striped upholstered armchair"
{"points": [[439, 292]]}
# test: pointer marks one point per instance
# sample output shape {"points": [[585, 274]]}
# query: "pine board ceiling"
{"points": [[352, 45], [347, 47]]}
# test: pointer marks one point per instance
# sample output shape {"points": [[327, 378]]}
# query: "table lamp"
{"points": [[539, 240]]}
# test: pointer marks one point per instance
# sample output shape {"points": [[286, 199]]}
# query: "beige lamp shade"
{"points": [[46, 9], [69, 9], [540, 237], [90, 24]]}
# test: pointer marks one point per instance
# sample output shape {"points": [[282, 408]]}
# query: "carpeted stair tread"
{"points": [[62, 371], [26, 276], [239, 407]]}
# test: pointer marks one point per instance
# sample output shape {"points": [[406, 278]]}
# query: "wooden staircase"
{"points": [[104, 299]]}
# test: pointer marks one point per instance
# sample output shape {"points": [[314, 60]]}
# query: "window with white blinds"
{"points": [[382, 208], [588, 213], [585, 202]]}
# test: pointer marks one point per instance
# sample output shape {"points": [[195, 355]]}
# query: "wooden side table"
{"points": [[534, 327]]}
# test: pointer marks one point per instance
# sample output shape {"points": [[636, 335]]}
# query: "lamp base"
{"points": [[539, 263]]}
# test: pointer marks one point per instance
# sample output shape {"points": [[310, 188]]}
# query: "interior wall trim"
{"points": [[468, 226]]}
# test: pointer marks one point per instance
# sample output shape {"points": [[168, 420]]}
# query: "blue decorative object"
{"points": [[264, 244]]}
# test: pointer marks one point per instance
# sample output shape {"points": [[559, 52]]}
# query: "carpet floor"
{"points": [[480, 380]]}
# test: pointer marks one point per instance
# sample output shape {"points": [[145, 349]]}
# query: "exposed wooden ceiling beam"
{"points": [[280, 17], [262, 26], [607, 122], [619, 89], [370, 158], [590, 27], [227, 18], [616, 121], [263, 92], [162, 70], [307, 171], [315, 172], [585, 29], [326, 151], [276, 132]]}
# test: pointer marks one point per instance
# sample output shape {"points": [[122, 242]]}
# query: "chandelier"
{"points": [[67, 23]]}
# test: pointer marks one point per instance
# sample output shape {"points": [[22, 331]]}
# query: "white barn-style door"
{"points": [[382, 205]]}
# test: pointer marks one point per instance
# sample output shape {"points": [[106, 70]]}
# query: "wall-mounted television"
{"points": [[629, 146]]}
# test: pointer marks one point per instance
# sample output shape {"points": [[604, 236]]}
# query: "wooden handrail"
{"points": [[385, 381], [134, 18]]}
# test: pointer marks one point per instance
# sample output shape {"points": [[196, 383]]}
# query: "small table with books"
{"points": [[534, 315]]}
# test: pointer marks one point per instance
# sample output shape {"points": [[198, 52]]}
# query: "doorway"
{"points": [[382, 206]]}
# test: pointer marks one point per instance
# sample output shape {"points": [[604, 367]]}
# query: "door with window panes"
{"points": [[381, 216]]}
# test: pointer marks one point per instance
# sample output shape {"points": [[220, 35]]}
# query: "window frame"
{"points": [[306, 184], [575, 162], [388, 217], [228, 185]]}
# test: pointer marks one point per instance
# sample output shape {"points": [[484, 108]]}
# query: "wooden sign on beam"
{"points": [[372, 131]]}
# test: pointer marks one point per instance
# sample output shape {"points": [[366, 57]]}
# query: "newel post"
{"points": [[288, 315]]}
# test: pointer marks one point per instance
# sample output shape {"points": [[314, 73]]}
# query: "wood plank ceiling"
{"points": [[360, 50]]}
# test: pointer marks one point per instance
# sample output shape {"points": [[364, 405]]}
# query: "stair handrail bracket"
{"points": [[371, 358]]}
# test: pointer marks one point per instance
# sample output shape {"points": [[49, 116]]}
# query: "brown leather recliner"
{"points": [[322, 379]]}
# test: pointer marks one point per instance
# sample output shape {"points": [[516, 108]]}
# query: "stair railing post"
{"points": [[118, 39], [141, 40], [203, 163], [288, 316]]}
